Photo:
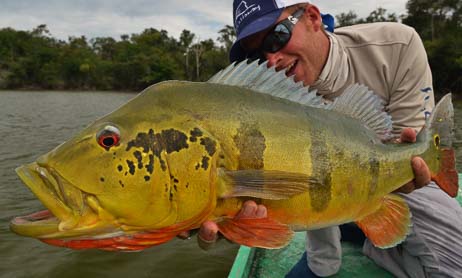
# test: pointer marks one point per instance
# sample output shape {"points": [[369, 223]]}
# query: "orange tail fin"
{"points": [[447, 178]]}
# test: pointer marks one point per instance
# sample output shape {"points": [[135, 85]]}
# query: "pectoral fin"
{"points": [[265, 184], [261, 232], [390, 224]]}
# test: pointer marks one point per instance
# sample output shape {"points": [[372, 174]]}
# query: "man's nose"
{"points": [[273, 58]]}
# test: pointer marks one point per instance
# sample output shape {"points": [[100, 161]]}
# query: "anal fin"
{"points": [[256, 232], [390, 224]]}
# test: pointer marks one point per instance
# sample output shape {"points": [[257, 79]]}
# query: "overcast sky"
{"points": [[112, 18]]}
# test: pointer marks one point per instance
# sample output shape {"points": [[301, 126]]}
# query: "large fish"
{"points": [[182, 153]]}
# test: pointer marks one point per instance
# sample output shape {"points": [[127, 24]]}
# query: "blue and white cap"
{"points": [[253, 16]]}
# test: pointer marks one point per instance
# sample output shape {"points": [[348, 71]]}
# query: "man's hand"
{"points": [[208, 232], [422, 174]]}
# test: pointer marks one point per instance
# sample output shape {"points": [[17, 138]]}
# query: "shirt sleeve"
{"points": [[411, 98]]}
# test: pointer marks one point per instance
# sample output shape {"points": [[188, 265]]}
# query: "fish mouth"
{"points": [[75, 219], [70, 211]]}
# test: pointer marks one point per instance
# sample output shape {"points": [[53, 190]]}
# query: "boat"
{"points": [[259, 262]]}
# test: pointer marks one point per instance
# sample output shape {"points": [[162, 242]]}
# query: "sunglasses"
{"points": [[277, 38]]}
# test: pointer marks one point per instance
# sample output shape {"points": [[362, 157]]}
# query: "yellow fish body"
{"points": [[182, 153]]}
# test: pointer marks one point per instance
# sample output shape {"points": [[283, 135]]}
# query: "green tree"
{"points": [[227, 36], [346, 19], [439, 23], [379, 15]]}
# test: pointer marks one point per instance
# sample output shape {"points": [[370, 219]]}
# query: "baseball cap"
{"points": [[253, 16]]}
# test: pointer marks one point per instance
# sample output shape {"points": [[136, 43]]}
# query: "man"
{"points": [[390, 59]]}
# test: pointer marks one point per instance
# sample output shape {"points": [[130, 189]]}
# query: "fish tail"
{"points": [[441, 129]]}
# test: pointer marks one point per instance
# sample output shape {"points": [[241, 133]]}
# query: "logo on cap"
{"points": [[243, 11]]}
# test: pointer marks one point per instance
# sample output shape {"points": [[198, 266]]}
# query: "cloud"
{"points": [[113, 18], [360, 7]]}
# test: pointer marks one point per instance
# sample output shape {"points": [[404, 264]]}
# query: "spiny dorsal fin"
{"points": [[357, 101], [260, 78]]}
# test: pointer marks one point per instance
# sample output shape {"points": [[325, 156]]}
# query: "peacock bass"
{"points": [[181, 153]]}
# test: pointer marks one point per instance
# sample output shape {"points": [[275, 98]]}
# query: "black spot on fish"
{"points": [[120, 168], [146, 178], [222, 156], [194, 134], [174, 140], [121, 184], [142, 140], [126, 173], [139, 158], [150, 165], [198, 165], [187, 185], [131, 167], [101, 179], [205, 162], [251, 144], [174, 187], [175, 180], [170, 140], [166, 187], [210, 145], [170, 196]]}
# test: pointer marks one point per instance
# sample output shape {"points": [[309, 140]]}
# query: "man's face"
{"points": [[305, 53]]}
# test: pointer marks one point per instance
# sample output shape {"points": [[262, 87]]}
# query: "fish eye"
{"points": [[436, 140], [108, 137]]}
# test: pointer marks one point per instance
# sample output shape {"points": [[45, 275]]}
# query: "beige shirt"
{"points": [[391, 60]]}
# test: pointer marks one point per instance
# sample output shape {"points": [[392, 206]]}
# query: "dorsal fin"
{"points": [[357, 101], [260, 78]]}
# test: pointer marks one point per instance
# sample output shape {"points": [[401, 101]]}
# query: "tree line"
{"points": [[36, 60]]}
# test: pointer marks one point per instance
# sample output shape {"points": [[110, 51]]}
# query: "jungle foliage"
{"points": [[35, 59]]}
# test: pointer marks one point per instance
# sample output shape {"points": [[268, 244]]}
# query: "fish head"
{"points": [[122, 175]]}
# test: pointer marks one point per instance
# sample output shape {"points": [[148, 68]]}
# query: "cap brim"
{"points": [[237, 53]]}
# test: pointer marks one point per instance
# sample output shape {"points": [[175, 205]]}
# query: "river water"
{"points": [[32, 123]]}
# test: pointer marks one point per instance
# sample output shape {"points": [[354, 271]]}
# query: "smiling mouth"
{"points": [[290, 69], [66, 203]]}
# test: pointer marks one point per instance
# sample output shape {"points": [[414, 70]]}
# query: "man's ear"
{"points": [[313, 14]]}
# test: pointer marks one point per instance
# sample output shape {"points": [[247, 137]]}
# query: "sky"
{"points": [[113, 18]]}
